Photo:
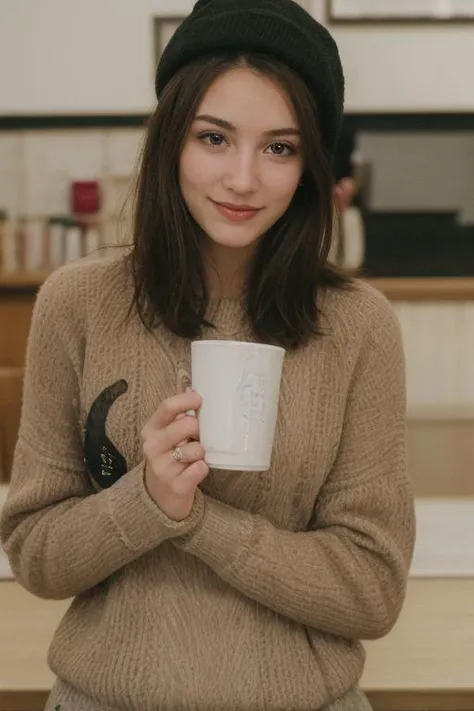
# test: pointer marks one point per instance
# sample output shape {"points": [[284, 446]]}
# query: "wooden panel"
{"points": [[441, 457], [435, 701], [15, 318], [385, 701], [25, 701], [22, 280], [16, 307], [11, 384], [381, 701], [426, 289]]}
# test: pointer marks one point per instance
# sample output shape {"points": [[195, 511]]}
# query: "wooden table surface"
{"points": [[426, 288], [426, 662]]}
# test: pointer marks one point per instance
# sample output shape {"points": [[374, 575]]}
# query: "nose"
{"points": [[242, 173]]}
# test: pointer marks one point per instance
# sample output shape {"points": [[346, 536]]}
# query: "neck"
{"points": [[226, 270]]}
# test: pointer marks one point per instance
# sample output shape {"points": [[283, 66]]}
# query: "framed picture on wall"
{"points": [[164, 28], [400, 11]]}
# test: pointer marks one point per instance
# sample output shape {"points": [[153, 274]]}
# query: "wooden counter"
{"points": [[395, 288], [426, 289], [426, 663], [22, 280]]}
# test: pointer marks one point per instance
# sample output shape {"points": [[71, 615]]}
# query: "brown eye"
{"points": [[212, 139], [281, 149]]}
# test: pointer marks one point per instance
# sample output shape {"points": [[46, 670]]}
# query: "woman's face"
{"points": [[241, 163]]}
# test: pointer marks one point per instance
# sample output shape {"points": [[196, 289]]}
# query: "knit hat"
{"points": [[280, 28]]}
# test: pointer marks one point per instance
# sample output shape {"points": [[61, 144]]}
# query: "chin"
{"points": [[233, 241]]}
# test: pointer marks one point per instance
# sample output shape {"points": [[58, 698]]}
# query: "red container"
{"points": [[85, 197]]}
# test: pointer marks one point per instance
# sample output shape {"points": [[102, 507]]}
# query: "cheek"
{"points": [[187, 167], [284, 184], [196, 169]]}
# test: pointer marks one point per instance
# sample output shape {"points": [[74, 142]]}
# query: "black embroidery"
{"points": [[104, 463]]}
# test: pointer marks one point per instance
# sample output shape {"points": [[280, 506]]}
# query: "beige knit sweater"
{"points": [[259, 599]]}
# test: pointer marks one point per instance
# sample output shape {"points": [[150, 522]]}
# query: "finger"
{"points": [[170, 409], [159, 442], [163, 442], [179, 432], [190, 452], [192, 413], [190, 478], [170, 467]]}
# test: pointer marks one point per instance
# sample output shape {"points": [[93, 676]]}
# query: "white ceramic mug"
{"points": [[240, 387]]}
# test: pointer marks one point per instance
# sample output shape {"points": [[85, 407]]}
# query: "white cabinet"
{"points": [[439, 347]]}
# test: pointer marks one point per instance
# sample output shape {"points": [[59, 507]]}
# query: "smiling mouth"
{"points": [[236, 213]]}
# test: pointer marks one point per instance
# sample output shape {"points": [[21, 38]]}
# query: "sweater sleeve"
{"points": [[60, 536], [347, 574]]}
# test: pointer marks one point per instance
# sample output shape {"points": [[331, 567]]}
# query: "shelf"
{"points": [[426, 288], [22, 280], [395, 289]]}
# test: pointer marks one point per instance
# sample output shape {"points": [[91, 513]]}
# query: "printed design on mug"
{"points": [[253, 389], [104, 463]]}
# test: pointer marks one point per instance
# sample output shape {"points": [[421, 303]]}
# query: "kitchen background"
{"points": [[70, 137], [412, 117], [417, 199]]}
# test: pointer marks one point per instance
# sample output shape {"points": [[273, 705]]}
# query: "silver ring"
{"points": [[177, 454]]}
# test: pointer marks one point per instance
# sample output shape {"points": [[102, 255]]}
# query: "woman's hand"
{"points": [[344, 193], [174, 459]]}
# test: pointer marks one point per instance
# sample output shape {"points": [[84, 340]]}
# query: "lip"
{"points": [[236, 213]]}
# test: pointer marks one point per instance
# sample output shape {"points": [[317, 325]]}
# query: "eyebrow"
{"points": [[291, 131]]}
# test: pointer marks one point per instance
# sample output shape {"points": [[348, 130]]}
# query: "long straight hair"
{"points": [[290, 261]]}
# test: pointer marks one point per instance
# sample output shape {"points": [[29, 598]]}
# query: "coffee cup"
{"points": [[239, 384]]}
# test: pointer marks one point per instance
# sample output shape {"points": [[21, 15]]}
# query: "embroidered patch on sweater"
{"points": [[105, 464]]}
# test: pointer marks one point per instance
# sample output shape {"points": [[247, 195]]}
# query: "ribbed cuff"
{"points": [[140, 522], [223, 535]]}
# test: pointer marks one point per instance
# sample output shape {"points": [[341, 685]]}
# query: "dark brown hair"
{"points": [[290, 260]]}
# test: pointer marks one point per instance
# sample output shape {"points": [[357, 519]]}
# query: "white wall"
{"points": [[402, 68], [92, 56], [439, 349], [408, 68], [97, 56]]}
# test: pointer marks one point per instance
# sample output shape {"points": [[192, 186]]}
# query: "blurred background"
{"points": [[76, 86]]}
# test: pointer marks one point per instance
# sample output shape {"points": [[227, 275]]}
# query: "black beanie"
{"points": [[280, 28]]}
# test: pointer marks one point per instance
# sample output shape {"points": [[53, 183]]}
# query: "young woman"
{"points": [[196, 588]]}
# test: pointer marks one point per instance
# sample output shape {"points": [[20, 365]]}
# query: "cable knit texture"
{"points": [[257, 601]]}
